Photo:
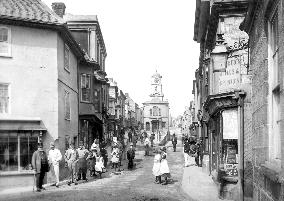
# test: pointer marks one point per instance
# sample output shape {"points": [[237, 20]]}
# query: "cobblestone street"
{"points": [[137, 184]]}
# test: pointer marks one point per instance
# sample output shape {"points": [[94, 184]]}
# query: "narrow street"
{"points": [[137, 184]]}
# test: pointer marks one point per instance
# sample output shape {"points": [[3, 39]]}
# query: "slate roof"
{"points": [[28, 10]]}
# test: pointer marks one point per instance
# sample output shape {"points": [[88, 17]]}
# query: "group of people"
{"points": [[160, 167], [192, 152], [77, 162]]}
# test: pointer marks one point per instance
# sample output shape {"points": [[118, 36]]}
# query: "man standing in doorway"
{"points": [[54, 156]]}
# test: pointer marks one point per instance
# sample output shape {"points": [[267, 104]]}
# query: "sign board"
{"points": [[112, 93], [231, 169], [230, 124]]}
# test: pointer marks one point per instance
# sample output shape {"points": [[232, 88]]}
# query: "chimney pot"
{"points": [[58, 8]]}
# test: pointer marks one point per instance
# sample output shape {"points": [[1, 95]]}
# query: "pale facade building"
{"points": [[156, 111]]}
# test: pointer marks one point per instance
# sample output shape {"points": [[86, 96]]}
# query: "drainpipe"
{"points": [[240, 95]]}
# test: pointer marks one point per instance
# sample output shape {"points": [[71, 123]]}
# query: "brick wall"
{"points": [[265, 188]]}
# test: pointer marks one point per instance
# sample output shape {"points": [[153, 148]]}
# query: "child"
{"points": [[99, 167], [92, 161], [130, 156], [115, 157], [156, 167], [164, 169]]}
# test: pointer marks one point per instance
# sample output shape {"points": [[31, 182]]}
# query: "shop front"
{"points": [[18, 141], [91, 128], [225, 129]]}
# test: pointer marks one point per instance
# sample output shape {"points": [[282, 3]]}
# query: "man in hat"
{"points": [[174, 142], [71, 157], [130, 156], [82, 162], [54, 156], [40, 166]]}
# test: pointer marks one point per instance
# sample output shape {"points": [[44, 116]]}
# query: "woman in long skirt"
{"points": [[164, 168], [156, 167]]}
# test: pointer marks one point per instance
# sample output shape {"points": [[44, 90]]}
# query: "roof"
{"points": [[69, 17], [28, 10]]}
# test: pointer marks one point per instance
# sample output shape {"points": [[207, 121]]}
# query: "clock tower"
{"points": [[156, 86]]}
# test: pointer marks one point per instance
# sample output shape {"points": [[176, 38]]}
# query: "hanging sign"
{"points": [[230, 124]]}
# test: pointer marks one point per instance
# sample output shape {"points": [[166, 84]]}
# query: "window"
{"points": [[16, 151], [5, 41], [67, 105], [66, 58], [85, 88], [4, 98], [155, 111], [163, 124], [274, 88], [159, 111], [151, 112]]}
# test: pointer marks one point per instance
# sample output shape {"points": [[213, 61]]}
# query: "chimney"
{"points": [[58, 8]]}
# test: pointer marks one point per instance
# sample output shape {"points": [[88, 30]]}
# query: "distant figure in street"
{"points": [[156, 167], [54, 156], [164, 169], [82, 162], [115, 157], [147, 146], [186, 147], [134, 140], [71, 158], [130, 136], [192, 152], [104, 154], [197, 155], [152, 137], [130, 156], [40, 166], [174, 142]]}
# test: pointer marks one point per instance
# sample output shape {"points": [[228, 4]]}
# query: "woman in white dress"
{"points": [[164, 168], [156, 167], [99, 167]]}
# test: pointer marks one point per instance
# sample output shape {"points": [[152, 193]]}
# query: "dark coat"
{"points": [[40, 161], [130, 154], [174, 140]]}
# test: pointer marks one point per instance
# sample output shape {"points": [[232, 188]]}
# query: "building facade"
{"points": [[92, 76], [223, 94], [264, 24], [156, 111], [39, 90]]}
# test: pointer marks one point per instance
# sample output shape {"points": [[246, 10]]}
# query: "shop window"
{"points": [[4, 98], [16, 151], [85, 88], [5, 41], [274, 87]]}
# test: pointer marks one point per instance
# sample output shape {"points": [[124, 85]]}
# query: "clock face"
{"points": [[156, 80]]}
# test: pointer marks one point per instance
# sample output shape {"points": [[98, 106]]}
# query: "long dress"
{"points": [[157, 165], [115, 155], [164, 168], [99, 167]]}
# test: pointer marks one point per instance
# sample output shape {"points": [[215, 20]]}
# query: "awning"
{"points": [[21, 125]]}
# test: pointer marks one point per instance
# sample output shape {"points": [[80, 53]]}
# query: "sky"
{"points": [[142, 36]]}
